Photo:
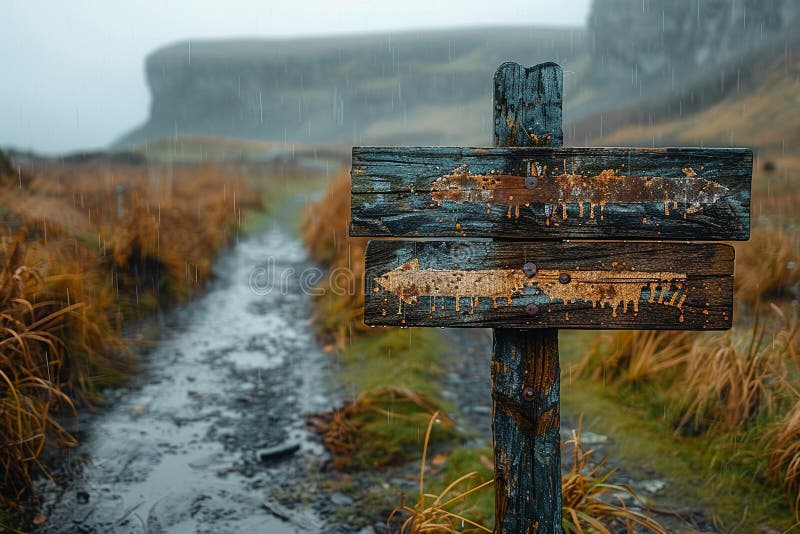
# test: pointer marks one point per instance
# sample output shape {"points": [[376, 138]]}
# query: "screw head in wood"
{"points": [[530, 269], [528, 394], [531, 309], [531, 182], [564, 278]]}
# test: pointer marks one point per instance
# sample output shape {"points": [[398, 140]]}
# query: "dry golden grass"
{"points": [[339, 312], [731, 379], [434, 516], [727, 384], [590, 502], [784, 456], [326, 223], [588, 497], [631, 357], [165, 218], [784, 440], [767, 266], [726, 378], [33, 350], [86, 247]]}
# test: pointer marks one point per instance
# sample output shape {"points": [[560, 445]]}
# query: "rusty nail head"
{"points": [[531, 182], [564, 278], [532, 309], [528, 394], [529, 269]]}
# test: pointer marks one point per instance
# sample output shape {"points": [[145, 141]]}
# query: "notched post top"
{"points": [[527, 109]]}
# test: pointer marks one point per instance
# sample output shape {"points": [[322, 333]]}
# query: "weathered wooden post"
{"points": [[525, 368], [529, 188]]}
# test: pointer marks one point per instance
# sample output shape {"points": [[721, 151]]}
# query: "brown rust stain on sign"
{"points": [[618, 289], [560, 188]]}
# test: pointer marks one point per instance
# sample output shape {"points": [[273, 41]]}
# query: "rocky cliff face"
{"points": [[639, 60], [427, 87], [647, 45], [654, 60]]}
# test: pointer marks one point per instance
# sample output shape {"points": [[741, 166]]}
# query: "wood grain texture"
{"points": [[527, 105], [526, 402], [526, 424], [579, 193], [639, 286]]}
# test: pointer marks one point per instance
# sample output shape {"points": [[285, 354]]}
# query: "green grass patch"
{"points": [[409, 359], [479, 506], [406, 358], [394, 380], [720, 473]]}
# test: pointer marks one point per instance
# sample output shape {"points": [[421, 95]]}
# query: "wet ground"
{"points": [[218, 418], [212, 439], [468, 385]]}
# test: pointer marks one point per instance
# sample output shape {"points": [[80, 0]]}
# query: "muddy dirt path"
{"points": [[211, 437], [217, 417]]}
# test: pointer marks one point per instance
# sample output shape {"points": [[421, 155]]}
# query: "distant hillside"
{"points": [[766, 116], [421, 87], [713, 72], [638, 62]]}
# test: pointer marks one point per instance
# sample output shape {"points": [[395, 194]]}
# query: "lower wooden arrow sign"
{"points": [[549, 285]]}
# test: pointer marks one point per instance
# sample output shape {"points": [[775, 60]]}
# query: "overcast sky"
{"points": [[73, 71]]}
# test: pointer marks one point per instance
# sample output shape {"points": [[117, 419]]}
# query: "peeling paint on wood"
{"points": [[526, 432], [527, 464], [529, 187], [610, 285], [548, 193], [527, 105], [615, 288], [551, 190]]}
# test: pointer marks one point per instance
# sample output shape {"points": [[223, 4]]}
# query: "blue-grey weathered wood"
{"points": [[632, 286], [577, 193], [526, 428], [526, 423], [580, 193], [527, 105]]}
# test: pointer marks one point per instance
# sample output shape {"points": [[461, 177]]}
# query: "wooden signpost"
{"points": [[528, 187]]}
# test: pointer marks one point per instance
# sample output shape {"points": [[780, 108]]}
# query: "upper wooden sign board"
{"points": [[552, 193]]}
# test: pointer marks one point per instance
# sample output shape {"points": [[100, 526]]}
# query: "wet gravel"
{"points": [[216, 421], [212, 436]]}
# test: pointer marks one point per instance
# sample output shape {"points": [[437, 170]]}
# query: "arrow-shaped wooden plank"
{"points": [[552, 193], [547, 285]]}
